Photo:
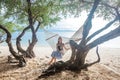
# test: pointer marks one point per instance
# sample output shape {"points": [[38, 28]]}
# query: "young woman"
{"points": [[59, 52]]}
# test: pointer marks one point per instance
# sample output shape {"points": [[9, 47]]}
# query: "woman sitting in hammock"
{"points": [[59, 52]]}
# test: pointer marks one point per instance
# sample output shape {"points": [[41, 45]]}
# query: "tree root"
{"points": [[22, 61], [60, 66], [52, 69]]}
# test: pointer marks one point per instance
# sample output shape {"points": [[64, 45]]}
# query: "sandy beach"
{"points": [[107, 69]]}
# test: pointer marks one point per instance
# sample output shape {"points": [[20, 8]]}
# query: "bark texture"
{"points": [[21, 59]]}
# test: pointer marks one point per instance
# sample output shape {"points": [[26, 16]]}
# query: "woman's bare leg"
{"points": [[54, 60], [51, 60]]}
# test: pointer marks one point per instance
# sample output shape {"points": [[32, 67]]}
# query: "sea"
{"points": [[40, 35], [114, 43]]}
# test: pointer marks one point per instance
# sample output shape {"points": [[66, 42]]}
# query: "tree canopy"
{"points": [[49, 12]]}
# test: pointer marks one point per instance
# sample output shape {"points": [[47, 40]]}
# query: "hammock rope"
{"points": [[52, 38]]}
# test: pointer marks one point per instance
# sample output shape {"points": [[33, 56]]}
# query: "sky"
{"points": [[72, 23]]}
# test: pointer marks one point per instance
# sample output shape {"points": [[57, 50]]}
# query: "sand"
{"points": [[107, 69]]}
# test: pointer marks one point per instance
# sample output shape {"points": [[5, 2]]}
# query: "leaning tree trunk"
{"points": [[21, 59], [81, 51], [78, 56]]}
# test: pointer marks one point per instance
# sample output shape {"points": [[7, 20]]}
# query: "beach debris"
{"points": [[47, 57]]}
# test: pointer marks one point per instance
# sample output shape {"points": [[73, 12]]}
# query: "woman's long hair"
{"points": [[59, 39]]}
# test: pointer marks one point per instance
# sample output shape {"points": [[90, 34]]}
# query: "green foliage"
{"points": [[48, 12], [16, 11], [12, 27]]}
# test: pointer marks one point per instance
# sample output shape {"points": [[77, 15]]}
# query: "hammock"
{"points": [[52, 38]]}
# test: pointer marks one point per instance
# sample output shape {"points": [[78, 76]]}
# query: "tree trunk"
{"points": [[30, 48], [81, 52], [18, 44], [73, 56], [32, 44], [21, 59], [30, 52], [78, 56]]}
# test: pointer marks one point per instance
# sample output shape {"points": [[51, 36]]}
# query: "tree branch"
{"points": [[101, 3], [1, 41], [29, 13], [118, 14], [90, 64], [104, 4], [112, 34], [8, 40], [102, 29], [30, 19], [88, 23], [19, 38], [37, 27], [107, 5], [98, 60]]}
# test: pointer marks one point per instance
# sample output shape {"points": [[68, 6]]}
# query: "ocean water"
{"points": [[40, 36], [114, 43]]}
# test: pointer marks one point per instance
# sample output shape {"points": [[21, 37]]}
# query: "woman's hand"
{"points": [[66, 47]]}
